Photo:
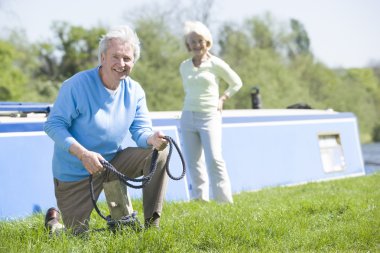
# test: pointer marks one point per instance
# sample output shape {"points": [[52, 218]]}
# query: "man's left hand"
{"points": [[157, 140]]}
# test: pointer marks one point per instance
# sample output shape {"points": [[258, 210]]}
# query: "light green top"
{"points": [[201, 84]]}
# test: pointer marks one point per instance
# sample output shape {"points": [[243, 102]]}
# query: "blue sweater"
{"points": [[101, 122]]}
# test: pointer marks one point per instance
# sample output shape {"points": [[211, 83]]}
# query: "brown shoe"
{"points": [[52, 220]]}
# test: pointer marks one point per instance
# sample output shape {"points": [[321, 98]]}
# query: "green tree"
{"points": [[78, 47], [158, 68], [253, 51], [264, 32], [12, 78], [49, 62], [298, 40], [362, 96]]}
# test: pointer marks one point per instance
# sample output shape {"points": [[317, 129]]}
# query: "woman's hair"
{"points": [[123, 33], [198, 28]]}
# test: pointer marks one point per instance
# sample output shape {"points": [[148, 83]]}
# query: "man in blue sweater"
{"points": [[95, 113]]}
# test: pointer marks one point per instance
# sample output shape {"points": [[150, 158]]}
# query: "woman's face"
{"points": [[197, 44]]}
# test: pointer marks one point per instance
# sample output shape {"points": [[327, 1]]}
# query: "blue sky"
{"points": [[343, 33]]}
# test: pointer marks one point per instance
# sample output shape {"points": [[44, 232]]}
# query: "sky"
{"points": [[343, 33]]}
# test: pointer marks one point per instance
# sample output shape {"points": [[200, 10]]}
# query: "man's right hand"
{"points": [[91, 161]]}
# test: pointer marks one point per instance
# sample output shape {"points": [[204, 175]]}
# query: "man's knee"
{"points": [[162, 157], [118, 200]]}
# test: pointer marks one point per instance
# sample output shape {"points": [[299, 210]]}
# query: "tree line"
{"points": [[274, 56]]}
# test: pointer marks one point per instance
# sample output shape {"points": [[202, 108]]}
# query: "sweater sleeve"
{"points": [[60, 118], [226, 73], [141, 127]]}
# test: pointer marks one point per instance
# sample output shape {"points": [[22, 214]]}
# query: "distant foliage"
{"points": [[376, 133], [158, 69], [274, 56], [12, 78]]}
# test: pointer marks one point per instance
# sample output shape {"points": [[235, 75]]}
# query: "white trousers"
{"points": [[202, 131]]}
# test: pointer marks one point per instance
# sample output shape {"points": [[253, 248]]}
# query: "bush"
{"points": [[376, 133]]}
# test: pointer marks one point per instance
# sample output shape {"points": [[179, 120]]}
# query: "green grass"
{"points": [[334, 216]]}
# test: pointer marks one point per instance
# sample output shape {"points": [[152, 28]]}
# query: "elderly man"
{"points": [[95, 113]]}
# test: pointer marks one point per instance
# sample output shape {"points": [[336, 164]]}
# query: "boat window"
{"points": [[331, 150]]}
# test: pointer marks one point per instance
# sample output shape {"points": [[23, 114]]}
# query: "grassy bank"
{"points": [[334, 216]]}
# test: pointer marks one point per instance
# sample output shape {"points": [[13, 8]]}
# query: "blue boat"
{"points": [[262, 148]]}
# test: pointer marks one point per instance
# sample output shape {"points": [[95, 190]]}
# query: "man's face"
{"points": [[117, 61]]}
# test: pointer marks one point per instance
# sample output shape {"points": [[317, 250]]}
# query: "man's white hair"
{"points": [[123, 33]]}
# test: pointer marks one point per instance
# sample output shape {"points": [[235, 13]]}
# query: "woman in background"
{"points": [[201, 120]]}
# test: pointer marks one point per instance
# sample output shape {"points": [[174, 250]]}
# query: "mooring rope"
{"points": [[144, 180]]}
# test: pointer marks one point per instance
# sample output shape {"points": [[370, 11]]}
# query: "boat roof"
{"points": [[37, 112], [24, 107]]}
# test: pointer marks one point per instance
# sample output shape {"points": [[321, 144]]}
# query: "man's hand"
{"points": [[90, 160], [157, 141]]}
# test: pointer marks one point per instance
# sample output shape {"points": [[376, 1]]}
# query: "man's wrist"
{"points": [[81, 155], [149, 140]]}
